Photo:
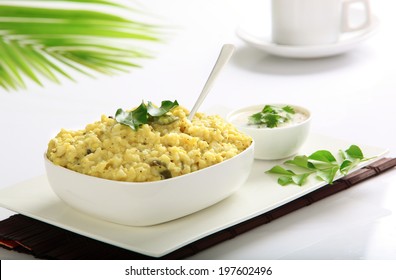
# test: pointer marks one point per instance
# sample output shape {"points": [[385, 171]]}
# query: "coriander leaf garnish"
{"points": [[271, 116], [289, 109], [255, 118], [321, 163], [271, 120], [268, 109], [145, 114]]}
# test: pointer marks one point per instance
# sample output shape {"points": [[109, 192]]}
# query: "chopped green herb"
{"points": [[268, 109], [289, 109], [271, 116], [271, 120], [321, 163], [145, 114]]}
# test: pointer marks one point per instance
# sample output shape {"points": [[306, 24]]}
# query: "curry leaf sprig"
{"points": [[272, 116], [321, 163], [145, 114]]}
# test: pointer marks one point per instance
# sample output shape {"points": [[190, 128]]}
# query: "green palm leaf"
{"points": [[38, 42]]}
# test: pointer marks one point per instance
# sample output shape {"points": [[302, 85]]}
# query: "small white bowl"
{"points": [[150, 203], [273, 143]]}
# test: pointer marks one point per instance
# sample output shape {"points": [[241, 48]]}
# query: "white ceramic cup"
{"points": [[314, 22]]}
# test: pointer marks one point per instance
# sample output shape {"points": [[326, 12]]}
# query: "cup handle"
{"points": [[345, 15]]}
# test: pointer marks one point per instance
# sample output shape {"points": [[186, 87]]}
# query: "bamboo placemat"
{"points": [[45, 241]]}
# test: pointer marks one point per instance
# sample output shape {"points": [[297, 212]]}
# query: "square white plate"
{"points": [[260, 194]]}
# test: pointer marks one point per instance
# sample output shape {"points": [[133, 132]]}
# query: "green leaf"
{"points": [[351, 158], [285, 180], [81, 1], [271, 116], [166, 106], [324, 156], [346, 166], [255, 118], [133, 118], [268, 109], [271, 120], [297, 179], [289, 109], [280, 170], [144, 114], [17, 62], [328, 174], [301, 161], [321, 163], [300, 179], [354, 152], [42, 43]]}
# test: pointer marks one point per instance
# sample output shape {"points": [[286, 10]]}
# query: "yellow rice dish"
{"points": [[111, 150]]}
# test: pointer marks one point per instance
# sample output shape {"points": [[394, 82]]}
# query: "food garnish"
{"points": [[271, 116], [145, 114], [321, 163]]}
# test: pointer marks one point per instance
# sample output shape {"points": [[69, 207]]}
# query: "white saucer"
{"points": [[261, 40]]}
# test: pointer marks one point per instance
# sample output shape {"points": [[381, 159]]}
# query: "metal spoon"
{"points": [[225, 55]]}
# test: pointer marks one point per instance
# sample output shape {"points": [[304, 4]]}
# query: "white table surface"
{"points": [[352, 96]]}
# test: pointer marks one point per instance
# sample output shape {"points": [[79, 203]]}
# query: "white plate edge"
{"points": [[160, 253]]}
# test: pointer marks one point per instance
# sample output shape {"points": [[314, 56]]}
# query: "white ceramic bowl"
{"points": [[150, 203], [273, 143]]}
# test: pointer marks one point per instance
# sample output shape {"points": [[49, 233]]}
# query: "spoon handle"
{"points": [[225, 55]]}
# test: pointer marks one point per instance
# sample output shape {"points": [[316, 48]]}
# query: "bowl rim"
{"points": [[47, 160], [246, 108]]}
